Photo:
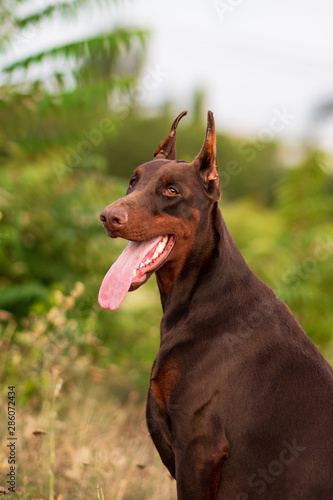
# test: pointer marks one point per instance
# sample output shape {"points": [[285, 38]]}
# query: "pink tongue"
{"points": [[119, 277]]}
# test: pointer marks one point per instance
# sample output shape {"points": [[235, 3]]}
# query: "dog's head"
{"points": [[167, 203]]}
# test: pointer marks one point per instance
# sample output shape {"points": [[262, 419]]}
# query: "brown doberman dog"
{"points": [[240, 404]]}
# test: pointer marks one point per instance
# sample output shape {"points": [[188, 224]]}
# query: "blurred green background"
{"points": [[69, 142]]}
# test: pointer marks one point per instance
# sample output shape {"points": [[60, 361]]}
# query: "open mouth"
{"points": [[133, 268], [152, 261]]}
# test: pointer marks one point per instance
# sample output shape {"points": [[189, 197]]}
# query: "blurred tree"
{"points": [[36, 105], [305, 204], [51, 125]]}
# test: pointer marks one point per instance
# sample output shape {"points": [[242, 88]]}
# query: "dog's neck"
{"points": [[213, 254]]}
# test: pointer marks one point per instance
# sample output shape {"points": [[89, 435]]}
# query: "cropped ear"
{"points": [[205, 161], [167, 148]]}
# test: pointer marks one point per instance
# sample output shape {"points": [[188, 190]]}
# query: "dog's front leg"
{"points": [[199, 467]]}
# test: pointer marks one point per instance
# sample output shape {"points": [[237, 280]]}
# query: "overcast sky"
{"points": [[256, 59], [253, 56]]}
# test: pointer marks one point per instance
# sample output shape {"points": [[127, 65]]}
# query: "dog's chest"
{"points": [[163, 380]]}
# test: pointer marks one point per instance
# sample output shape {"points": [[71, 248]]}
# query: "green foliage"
{"points": [[51, 238], [16, 25], [108, 45], [51, 109]]}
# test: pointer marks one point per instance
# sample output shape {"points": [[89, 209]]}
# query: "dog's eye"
{"points": [[171, 191], [132, 181]]}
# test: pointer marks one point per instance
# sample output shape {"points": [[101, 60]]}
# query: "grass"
{"points": [[81, 430], [97, 449]]}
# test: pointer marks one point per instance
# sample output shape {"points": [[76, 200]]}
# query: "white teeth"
{"points": [[159, 249], [161, 245], [134, 273]]}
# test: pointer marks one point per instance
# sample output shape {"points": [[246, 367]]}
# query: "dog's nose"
{"points": [[114, 217]]}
